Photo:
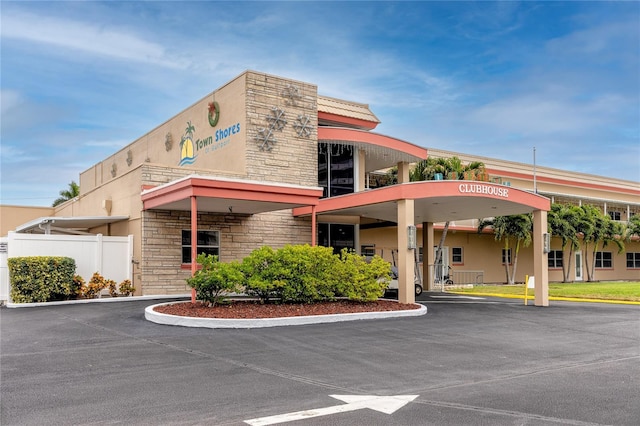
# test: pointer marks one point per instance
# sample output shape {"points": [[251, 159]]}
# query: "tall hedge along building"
{"points": [[265, 160]]}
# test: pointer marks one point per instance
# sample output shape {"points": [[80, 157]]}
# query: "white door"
{"points": [[442, 270], [578, 260]]}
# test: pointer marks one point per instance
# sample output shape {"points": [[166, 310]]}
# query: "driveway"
{"points": [[466, 362]]}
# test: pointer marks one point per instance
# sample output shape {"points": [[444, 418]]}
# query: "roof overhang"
{"points": [[222, 195], [67, 225], [380, 151], [434, 201]]}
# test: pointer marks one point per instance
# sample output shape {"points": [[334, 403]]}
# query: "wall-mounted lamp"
{"points": [[411, 237], [106, 205], [546, 248]]}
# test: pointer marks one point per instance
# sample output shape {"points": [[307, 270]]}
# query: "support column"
{"points": [[406, 272], [403, 172], [427, 254], [540, 262], [194, 241], [314, 225], [360, 169]]}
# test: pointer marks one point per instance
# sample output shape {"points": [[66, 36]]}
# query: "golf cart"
{"points": [[393, 285]]}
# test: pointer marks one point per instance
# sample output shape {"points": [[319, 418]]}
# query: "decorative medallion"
{"points": [[303, 126], [168, 142], [276, 122], [292, 94], [214, 113], [265, 138]]}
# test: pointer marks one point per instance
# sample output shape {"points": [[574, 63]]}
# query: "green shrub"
{"points": [[307, 272], [361, 280], [215, 279], [264, 275], [41, 278]]}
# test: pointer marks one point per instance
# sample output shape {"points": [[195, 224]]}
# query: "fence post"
{"points": [[130, 257], [99, 250]]}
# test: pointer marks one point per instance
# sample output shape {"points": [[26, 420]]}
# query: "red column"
{"points": [[313, 226], [194, 241]]}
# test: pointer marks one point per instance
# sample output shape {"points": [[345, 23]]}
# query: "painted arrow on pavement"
{"points": [[384, 404]]}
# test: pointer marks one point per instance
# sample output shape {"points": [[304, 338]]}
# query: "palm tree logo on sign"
{"points": [[186, 146]]}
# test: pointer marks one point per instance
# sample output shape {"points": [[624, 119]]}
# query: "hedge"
{"points": [[41, 278], [293, 274]]}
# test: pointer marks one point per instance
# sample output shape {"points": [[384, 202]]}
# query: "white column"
{"points": [[427, 254], [540, 262], [406, 291]]}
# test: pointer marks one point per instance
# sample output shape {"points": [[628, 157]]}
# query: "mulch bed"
{"points": [[246, 309]]}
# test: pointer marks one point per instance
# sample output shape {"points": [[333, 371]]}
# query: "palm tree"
{"points": [[592, 226], [67, 194], [606, 231], [633, 227], [562, 221], [450, 168], [514, 230]]}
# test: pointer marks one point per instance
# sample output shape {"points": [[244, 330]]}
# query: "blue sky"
{"points": [[80, 80]]}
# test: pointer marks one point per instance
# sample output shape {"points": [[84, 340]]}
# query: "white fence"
{"points": [[110, 256], [446, 276]]}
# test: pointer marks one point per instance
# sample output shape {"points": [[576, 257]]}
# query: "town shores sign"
{"points": [[483, 189]]}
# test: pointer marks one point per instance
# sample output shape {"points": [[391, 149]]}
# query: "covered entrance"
{"points": [[429, 202], [197, 193]]}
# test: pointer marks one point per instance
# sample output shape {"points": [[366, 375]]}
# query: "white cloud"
{"points": [[93, 39], [116, 143]]}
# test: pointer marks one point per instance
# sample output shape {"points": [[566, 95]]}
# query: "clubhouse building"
{"points": [[265, 160]]}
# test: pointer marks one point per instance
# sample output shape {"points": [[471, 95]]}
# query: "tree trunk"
{"points": [[506, 263], [441, 243], [566, 277], [586, 262], [515, 264], [593, 263]]}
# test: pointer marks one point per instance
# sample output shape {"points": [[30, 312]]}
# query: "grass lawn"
{"points": [[628, 291]]}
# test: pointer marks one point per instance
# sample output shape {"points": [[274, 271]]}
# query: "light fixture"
{"points": [[411, 237]]}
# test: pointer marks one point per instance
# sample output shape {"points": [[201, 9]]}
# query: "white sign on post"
{"points": [[531, 283]]}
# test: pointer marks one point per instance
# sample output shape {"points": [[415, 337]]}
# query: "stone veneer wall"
{"points": [[293, 158], [239, 236]]}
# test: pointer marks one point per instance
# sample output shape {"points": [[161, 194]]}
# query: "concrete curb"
{"points": [[100, 300], [558, 299], [151, 315]]}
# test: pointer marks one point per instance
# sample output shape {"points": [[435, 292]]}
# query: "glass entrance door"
{"points": [[578, 260]]}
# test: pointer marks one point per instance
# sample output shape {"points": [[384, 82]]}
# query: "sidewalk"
{"points": [[561, 299]]}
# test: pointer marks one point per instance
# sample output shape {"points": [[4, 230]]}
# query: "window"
{"points": [[555, 259], [615, 215], [604, 259], [506, 256], [336, 235], [633, 260], [335, 169], [208, 243], [456, 255], [368, 250]]}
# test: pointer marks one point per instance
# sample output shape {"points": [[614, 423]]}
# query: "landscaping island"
{"points": [[255, 310]]}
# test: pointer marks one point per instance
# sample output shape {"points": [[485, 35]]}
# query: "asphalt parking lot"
{"points": [[466, 362]]}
